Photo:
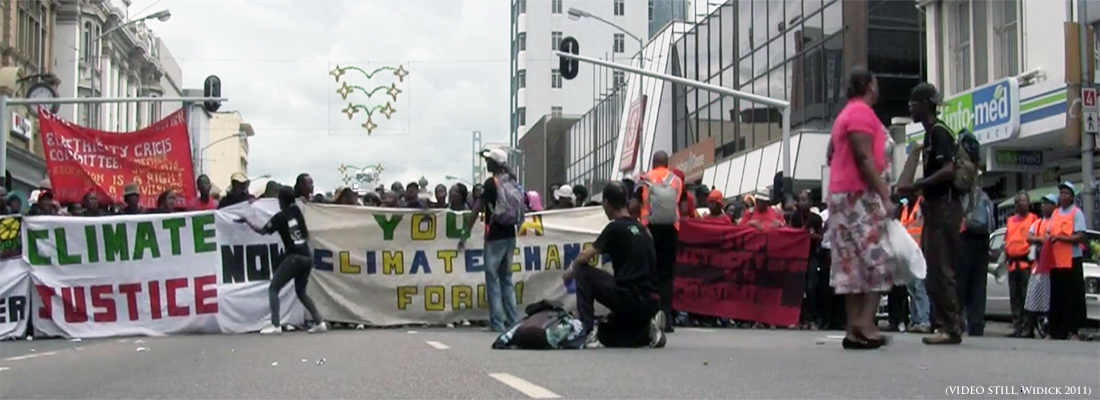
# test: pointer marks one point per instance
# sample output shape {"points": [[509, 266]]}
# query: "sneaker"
{"points": [[592, 341], [319, 328], [271, 330], [657, 337]]}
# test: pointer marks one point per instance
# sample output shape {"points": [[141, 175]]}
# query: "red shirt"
{"points": [[198, 205], [687, 207], [766, 217]]}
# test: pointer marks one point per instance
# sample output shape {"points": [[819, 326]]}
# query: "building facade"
{"points": [[1003, 67], [591, 144], [663, 12], [171, 81], [226, 151], [26, 60], [124, 62], [537, 28], [543, 149]]}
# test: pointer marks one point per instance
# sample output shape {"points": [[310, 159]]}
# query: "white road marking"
{"points": [[530, 389], [699, 330], [4, 368], [29, 356], [438, 345]]}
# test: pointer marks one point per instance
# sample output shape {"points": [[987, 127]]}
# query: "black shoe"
{"points": [[849, 344], [942, 338], [1014, 334], [883, 340]]}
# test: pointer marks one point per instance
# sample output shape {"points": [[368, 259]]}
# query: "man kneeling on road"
{"points": [[631, 294]]}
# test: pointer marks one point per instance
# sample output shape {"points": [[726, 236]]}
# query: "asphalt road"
{"points": [[458, 363]]}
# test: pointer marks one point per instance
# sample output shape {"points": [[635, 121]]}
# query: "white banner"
{"points": [[15, 280], [388, 267], [145, 275]]}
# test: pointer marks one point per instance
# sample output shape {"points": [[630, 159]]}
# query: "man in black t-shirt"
{"points": [[290, 224], [942, 214], [500, 245], [631, 293]]}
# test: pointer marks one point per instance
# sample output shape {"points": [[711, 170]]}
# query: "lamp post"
{"points": [[239, 136], [576, 14], [460, 180], [162, 16]]}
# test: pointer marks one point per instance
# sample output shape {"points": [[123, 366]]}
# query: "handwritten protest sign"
{"points": [[156, 158]]}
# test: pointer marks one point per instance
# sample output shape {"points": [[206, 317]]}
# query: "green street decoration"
{"points": [[346, 90], [367, 176]]}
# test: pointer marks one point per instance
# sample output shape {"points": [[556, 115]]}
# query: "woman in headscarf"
{"points": [[860, 207], [457, 198], [441, 195]]}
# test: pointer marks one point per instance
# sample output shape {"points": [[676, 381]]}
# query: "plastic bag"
{"points": [[910, 261]]}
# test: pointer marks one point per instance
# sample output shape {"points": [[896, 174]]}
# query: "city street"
{"points": [[458, 363]]}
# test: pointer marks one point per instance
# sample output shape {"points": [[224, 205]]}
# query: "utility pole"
{"points": [[1088, 164]]}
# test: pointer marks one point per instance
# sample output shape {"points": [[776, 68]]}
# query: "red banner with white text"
{"points": [[740, 272], [81, 159]]}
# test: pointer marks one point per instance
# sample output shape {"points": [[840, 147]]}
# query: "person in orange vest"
{"points": [[919, 308], [1037, 301], [660, 194], [1017, 248], [1067, 279]]}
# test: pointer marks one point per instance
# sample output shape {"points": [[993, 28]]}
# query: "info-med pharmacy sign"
{"points": [[991, 112]]}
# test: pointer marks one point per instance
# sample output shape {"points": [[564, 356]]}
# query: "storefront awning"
{"points": [[756, 169]]}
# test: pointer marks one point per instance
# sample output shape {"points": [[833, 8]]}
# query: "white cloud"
{"points": [[274, 58]]}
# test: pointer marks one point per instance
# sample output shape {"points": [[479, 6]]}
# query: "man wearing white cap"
{"points": [[238, 191], [503, 202], [564, 197]]}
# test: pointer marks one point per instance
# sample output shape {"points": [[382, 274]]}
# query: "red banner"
{"points": [[156, 158], [740, 272]]}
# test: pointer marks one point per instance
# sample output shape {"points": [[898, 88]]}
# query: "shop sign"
{"points": [[1014, 160], [991, 112], [632, 137], [21, 126], [693, 160]]}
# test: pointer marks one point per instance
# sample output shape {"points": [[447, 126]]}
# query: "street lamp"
{"points": [[242, 135], [162, 16], [455, 178], [256, 178]]}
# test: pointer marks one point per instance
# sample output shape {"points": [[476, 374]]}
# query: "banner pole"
{"points": [[7, 132]]}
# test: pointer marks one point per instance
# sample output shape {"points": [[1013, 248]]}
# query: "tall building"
{"points": [[226, 148], [102, 54], [663, 12], [26, 64], [171, 81], [537, 28], [1008, 71]]}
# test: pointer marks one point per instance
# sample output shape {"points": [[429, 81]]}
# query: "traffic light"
{"points": [[212, 87], [569, 67]]}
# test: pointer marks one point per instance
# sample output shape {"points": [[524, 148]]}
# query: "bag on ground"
{"points": [[906, 253], [511, 204], [547, 326]]}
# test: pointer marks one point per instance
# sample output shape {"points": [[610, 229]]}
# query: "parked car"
{"points": [[997, 305]]}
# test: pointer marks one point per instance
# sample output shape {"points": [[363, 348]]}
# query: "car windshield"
{"points": [[1092, 247], [996, 246]]}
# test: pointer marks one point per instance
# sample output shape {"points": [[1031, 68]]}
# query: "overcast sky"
{"points": [[274, 58]]}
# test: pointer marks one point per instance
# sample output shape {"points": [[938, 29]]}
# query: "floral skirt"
{"points": [[857, 232]]}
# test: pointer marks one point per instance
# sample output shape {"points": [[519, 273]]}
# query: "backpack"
{"points": [[547, 326], [978, 207], [664, 200], [967, 157], [511, 202]]}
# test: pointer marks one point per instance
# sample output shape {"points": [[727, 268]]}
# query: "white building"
{"points": [[1002, 66], [538, 27], [225, 151], [124, 63], [171, 82]]}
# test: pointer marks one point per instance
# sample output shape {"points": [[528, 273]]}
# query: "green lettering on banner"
{"points": [[146, 240], [114, 242], [93, 243], [173, 225], [456, 225], [388, 223], [33, 256], [202, 227], [62, 244]]}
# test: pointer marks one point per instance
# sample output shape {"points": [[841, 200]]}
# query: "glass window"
{"points": [[690, 50], [1006, 29], [521, 116], [619, 44], [521, 79], [813, 29], [834, 75], [728, 37], [833, 18], [620, 7], [961, 48], [85, 50], [618, 78], [759, 33], [555, 6], [811, 6], [793, 12], [779, 83], [895, 14], [522, 6], [980, 42], [650, 10], [711, 47], [555, 78], [759, 62], [521, 41], [776, 21], [744, 28], [555, 40]]}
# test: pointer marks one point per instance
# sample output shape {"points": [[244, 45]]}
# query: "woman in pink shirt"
{"points": [[860, 208]]}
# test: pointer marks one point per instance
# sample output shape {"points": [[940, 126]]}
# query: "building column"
{"points": [[104, 84], [131, 108]]}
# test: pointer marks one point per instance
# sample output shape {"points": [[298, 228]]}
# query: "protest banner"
{"points": [[157, 158], [740, 272], [389, 267], [15, 280], [137, 275]]}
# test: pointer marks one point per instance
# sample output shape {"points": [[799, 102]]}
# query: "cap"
{"points": [[565, 191], [238, 177], [130, 189], [497, 155], [715, 196], [1051, 197], [926, 93], [1068, 185], [762, 195], [45, 184]]}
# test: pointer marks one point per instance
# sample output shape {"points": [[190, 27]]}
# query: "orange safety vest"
{"points": [[1062, 225], [913, 220], [659, 174], [1016, 245]]}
